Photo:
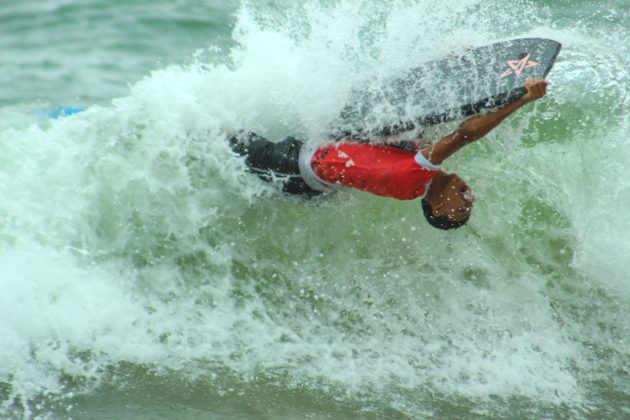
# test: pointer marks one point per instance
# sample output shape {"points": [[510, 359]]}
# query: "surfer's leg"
{"points": [[272, 161]]}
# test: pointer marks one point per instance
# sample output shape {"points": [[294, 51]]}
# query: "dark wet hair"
{"points": [[440, 222]]}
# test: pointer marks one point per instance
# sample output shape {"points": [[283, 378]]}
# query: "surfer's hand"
{"points": [[536, 89]]}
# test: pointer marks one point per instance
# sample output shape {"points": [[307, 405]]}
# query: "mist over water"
{"points": [[145, 273]]}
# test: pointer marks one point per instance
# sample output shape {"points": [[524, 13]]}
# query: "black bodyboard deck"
{"points": [[460, 85]]}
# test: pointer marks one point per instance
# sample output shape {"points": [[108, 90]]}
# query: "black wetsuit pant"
{"points": [[273, 161]]}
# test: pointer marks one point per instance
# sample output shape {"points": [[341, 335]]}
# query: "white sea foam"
{"points": [[131, 234]]}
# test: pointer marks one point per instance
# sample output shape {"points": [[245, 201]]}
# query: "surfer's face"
{"points": [[452, 199]]}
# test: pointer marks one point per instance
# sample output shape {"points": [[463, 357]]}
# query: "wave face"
{"points": [[144, 273]]}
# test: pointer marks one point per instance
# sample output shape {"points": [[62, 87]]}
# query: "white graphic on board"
{"points": [[517, 66]]}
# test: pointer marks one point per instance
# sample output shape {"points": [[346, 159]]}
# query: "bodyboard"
{"points": [[457, 86]]}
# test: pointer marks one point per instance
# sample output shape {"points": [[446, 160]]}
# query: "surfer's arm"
{"points": [[475, 128]]}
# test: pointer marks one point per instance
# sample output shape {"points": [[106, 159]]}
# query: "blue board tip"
{"points": [[61, 112]]}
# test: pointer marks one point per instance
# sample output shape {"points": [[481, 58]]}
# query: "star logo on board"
{"points": [[517, 66]]}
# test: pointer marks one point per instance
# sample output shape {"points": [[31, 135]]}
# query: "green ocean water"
{"points": [[145, 274]]}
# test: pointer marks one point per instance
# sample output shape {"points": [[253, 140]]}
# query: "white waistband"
{"points": [[306, 170]]}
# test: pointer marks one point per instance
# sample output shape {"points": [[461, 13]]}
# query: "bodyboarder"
{"points": [[384, 170]]}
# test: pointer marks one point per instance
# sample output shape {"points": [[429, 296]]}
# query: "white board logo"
{"points": [[518, 66]]}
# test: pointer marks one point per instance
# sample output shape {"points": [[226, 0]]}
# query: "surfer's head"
{"points": [[448, 202]]}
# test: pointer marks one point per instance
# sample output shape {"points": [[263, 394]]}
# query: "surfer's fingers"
{"points": [[541, 89], [536, 88]]}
